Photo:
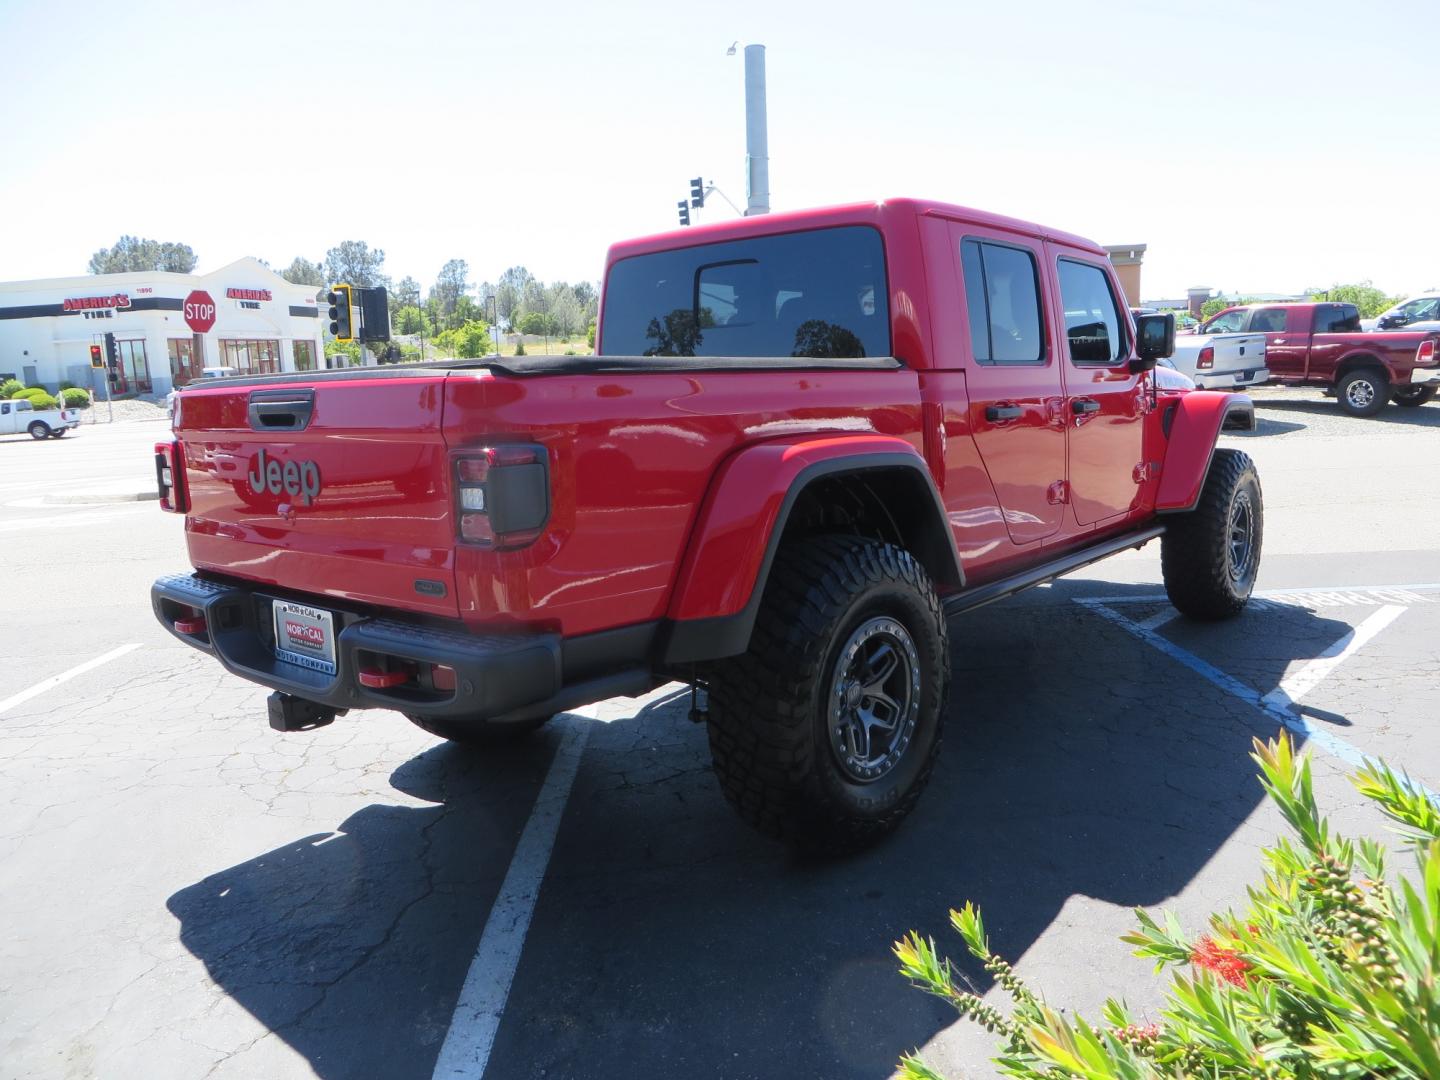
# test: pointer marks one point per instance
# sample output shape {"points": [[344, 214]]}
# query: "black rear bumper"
{"points": [[498, 677]]}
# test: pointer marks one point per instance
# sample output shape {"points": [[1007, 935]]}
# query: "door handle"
{"points": [[1279, 341], [1003, 412], [1084, 405]]}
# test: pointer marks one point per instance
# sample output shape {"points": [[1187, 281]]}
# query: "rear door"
{"points": [[1287, 338], [1013, 382], [338, 488], [1105, 402]]}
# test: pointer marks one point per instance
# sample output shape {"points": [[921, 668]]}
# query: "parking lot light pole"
{"points": [[757, 144]]}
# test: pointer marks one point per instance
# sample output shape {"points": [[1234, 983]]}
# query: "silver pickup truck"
{"points": [[19, 414], [1219, 361]]}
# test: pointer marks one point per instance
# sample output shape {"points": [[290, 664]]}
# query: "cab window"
{"points": [[1226, 323], [4, 408], [1092, 318], [1002, 298], [1268, 321]]}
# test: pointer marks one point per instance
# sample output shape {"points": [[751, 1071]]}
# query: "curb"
{"points": [[90, 498]]}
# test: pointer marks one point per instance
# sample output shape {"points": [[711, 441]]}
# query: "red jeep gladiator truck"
{"points": [[805, 441], [1323, 345]]}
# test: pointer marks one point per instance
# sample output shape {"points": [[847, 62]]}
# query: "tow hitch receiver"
{"points": [[291, 713]]}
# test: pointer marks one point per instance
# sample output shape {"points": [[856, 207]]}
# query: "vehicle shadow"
{"points": [[1264, 425], [1422, 416], [670, 940]]}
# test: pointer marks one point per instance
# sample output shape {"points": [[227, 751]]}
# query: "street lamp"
{"points": [[757, 148]]}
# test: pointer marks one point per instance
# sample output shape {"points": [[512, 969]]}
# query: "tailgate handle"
{"points": [[281, 410]]}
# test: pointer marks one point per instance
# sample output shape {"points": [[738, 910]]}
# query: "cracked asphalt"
{"points": [[186, 893]]}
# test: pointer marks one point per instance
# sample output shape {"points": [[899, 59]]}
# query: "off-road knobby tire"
{"points": [[768, 717], [38, 429], [1380, 388], [1411, 396], [467, 732], [1195, 552]]}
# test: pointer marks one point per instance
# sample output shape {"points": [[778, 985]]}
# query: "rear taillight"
{"points": [[1206, 360], [502, 495], [170, 476], [1425, 355]]}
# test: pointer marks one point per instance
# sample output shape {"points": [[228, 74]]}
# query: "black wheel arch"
{"points": [[886, 496]]}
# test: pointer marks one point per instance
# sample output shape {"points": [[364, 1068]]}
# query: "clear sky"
{"points": [[1260, 146]]}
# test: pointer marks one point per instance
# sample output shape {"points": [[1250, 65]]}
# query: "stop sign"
{"points": [[199, 311]]}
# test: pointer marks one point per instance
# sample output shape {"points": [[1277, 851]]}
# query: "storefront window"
{"points": [[251, 357], [134, 371], [183, 368], [304, 356]]}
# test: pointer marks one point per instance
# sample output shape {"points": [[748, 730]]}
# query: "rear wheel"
{"points": [[1363, 392], [1414, 395], [468, 732], [39, 429], [825, 731], [1210, 556], [60, 433]]}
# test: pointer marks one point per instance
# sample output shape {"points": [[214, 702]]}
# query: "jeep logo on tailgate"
{"points": [[293, 478]]}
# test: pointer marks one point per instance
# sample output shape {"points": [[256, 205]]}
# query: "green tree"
{"points": [[406, 293], [132, 253], [302, 271], [355, 263], [450, 285], [409, 320], [567, 315], [1368, 300], [533, 322], [473, 339]]}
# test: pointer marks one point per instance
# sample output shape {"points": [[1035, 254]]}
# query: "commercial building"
{"points": [[167, 327]]}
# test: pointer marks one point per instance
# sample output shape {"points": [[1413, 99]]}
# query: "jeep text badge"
{"points": [[292, 478]]}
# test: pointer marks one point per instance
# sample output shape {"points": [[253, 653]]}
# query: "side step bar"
{"points": [[981, 595]]}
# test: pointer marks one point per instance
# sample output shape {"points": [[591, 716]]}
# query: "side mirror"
{"points": [[1387, 321], [1154, 340]]}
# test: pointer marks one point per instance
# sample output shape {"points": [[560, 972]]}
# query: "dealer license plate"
{"points": [[305, 636]]}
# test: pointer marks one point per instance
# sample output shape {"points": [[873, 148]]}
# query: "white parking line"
{"points": [[1294, 687], [64, 676], [1317, 736], [467, 1046]]}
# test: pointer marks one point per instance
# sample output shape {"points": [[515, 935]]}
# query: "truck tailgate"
{"points": [[336, 488], [1237, 353]]}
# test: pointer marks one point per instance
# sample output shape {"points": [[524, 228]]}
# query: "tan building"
{"points": [[1126, 258]]}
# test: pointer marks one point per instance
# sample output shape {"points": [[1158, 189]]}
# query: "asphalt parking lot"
{"points": [[189, 894]]}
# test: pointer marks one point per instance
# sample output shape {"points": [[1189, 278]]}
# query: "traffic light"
{"points": [[112, 352], [374, 314], [697, 192], [684, 212], [340, 325], [97, 357]]}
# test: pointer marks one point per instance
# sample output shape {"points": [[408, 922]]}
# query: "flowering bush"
{"points": [[1331, 974]]}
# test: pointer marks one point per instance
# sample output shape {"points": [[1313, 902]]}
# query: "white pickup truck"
{"points": [[1217, 360], [18, 414]]}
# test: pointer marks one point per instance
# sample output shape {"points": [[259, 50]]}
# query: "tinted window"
{"points": [[820, 293], [1337, 319], [1092, 321], [1002, 296], [1268, 321]]}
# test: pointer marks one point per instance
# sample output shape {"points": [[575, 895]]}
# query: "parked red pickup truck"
{"points": [[1323, 345], [805, 441]]}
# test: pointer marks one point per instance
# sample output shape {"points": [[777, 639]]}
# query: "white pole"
{"points": [[757, 146]]}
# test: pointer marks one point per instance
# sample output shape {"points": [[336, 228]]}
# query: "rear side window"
{"points": [[1337, 319], [1268, 321], [1002, 297], [1092, 319], [818, 294]]}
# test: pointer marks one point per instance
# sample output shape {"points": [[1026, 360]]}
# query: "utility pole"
{"points": [[757, 143]]}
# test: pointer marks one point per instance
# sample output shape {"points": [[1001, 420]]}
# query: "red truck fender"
{"points": [[746, 509], [1193, 424]]}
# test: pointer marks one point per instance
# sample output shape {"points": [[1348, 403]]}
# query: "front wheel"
{"points": [[1412, 396], [1363, 392], [39, 430], [824, 732], [1210, 556]]}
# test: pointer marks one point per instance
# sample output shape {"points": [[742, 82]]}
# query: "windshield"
{"points": [[819, 294]]}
